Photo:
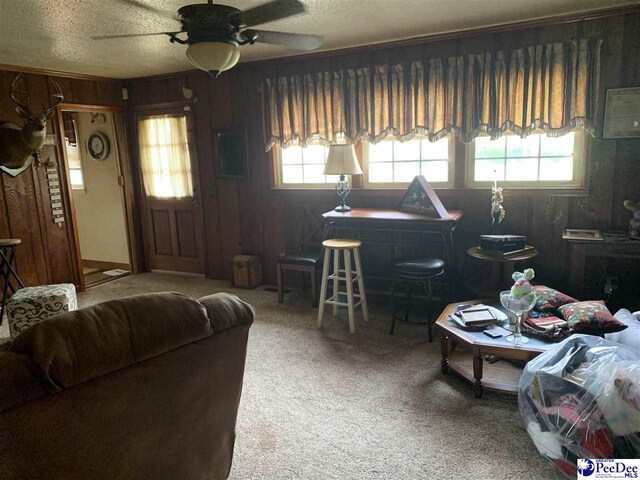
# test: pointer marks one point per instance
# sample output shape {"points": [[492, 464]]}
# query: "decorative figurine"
{"points": [[497, 210], [634, 222], [519, 300]]}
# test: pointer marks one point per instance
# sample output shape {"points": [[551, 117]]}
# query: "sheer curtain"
{"points": [[164, 156], [551, 87]]}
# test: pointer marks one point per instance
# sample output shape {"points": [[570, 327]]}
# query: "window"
{"points": [[391, 163], [164, 156], [304, 167], [537, 160], [75, 166]]}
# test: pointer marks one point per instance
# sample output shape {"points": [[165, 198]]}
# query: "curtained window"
{"points": [[164, 156], [549, 90]]}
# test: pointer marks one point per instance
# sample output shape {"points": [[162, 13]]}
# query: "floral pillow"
{"points": [[550, 299], [591, 317]]}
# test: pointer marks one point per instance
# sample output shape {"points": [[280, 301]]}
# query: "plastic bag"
{"points": [[581, 399]]}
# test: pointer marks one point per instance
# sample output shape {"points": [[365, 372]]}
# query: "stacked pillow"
{"points": [[591, 317]]}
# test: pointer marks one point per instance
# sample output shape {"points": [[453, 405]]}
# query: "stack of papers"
{"points": [[476, 316]]}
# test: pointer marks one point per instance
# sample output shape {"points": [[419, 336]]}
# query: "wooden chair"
{"points": [[307, 260]]}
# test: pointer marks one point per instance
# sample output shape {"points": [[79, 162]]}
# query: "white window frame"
{"points": [[278, 174], [75, 186], [579, 165], [403, 185]]}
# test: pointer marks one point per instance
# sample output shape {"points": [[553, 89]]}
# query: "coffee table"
{"points": [[463, 352]]}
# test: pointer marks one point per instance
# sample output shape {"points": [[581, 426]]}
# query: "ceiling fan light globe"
{"points": [[234, 59], [213, 56]]}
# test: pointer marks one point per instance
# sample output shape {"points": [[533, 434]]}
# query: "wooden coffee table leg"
{"points": [[477, 372], [444, 349]]}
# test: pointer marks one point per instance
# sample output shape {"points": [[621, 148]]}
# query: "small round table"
{"points": [[501, 271], [7, 270]]}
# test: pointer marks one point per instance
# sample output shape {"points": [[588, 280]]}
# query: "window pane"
{"points": [[522, 147], [381, 152], [313, 174], [522, 169], [559, 168], [487, 148], [405, 171], [76, 178], [436, 171], [292, 174], [435, 151], [557, 147], [489, 170], [314, 154], [406, 151], [291, 155], [381, 172]]}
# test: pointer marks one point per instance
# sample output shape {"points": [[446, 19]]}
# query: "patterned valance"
{"points": [[552, 87]]}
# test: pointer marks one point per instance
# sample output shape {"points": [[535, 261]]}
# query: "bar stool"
{"points": [[7, 270], [418, 271], [346, 275]]}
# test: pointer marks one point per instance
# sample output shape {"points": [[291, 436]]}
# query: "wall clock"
{"points": [[98, 146]]}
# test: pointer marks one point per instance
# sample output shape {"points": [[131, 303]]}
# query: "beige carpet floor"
{"points": [[324, 404]]}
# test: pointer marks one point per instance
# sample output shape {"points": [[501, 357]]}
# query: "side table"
{"points": [[501, 271]]}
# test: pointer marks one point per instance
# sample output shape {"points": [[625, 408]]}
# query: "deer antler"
{"points": [[13, 93], [59, 97]]}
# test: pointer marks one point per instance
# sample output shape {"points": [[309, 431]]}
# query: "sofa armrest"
{"points": [[226, 310]]}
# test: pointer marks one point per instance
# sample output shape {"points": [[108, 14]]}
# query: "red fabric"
{"points": [[598, 444], [566, 468]]}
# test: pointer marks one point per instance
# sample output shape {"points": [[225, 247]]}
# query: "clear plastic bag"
{"points": [[581, 399]]}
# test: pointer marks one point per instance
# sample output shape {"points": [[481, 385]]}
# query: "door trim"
{"points": [[123, 164]]}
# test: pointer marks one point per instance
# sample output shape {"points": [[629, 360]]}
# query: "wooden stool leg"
{"points": [[347, 269], [314, 287], [363, 295], [280, 286], [336, 282], [323, 289]]}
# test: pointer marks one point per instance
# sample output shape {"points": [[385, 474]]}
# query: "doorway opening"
{"points": [[96, 186]]}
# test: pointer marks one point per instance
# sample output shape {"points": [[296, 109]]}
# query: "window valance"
{"points": [[551, 87]]}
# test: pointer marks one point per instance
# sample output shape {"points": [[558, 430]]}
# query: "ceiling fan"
{"points": [[214, 32]]}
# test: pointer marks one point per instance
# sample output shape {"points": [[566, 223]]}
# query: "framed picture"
{"points": [[230, 153], [582, 234], [421, 198], [622, 113]]}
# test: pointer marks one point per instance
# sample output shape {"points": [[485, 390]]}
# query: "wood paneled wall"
{"points": [[46, 252], [249, 216]]}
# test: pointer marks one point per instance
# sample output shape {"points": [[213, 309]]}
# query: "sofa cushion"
{"points": [[77, 346], [591, 317], [631, 335], [19, 379], [550, 298]]}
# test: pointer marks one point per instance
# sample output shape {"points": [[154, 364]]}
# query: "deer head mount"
{"points": [[19, 145]]}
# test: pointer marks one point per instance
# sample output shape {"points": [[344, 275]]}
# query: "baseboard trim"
{"points": [[104, 265], [173, 272]]}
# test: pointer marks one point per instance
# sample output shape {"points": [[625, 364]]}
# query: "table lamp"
{"points": [[342, 161]]}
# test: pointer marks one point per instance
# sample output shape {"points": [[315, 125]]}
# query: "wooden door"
{"points": [[173, 230]]}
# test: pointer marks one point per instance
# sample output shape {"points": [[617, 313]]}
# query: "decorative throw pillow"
{"points": [[550, 299], [591, 317]]}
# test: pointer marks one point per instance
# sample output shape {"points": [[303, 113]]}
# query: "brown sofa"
{"points": [[145, 387]]}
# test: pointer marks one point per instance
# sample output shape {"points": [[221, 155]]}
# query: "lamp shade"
{"points": [[213, 57], [342, 160]]}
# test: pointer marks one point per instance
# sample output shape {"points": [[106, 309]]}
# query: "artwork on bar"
{"points": [[421, 198], [230, 153]]}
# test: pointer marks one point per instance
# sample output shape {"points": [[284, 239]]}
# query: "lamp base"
{"points": [[343, 208]]}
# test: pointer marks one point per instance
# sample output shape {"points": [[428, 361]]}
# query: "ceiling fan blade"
{"points": [[151, 9], [268, 12], [126, 35], [291, 40]]}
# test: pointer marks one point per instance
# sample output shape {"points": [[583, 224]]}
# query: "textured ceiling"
{"points": [[54, 34]]}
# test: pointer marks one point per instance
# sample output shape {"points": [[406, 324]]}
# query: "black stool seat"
{"points": [[417, 265], [311, 259]]}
